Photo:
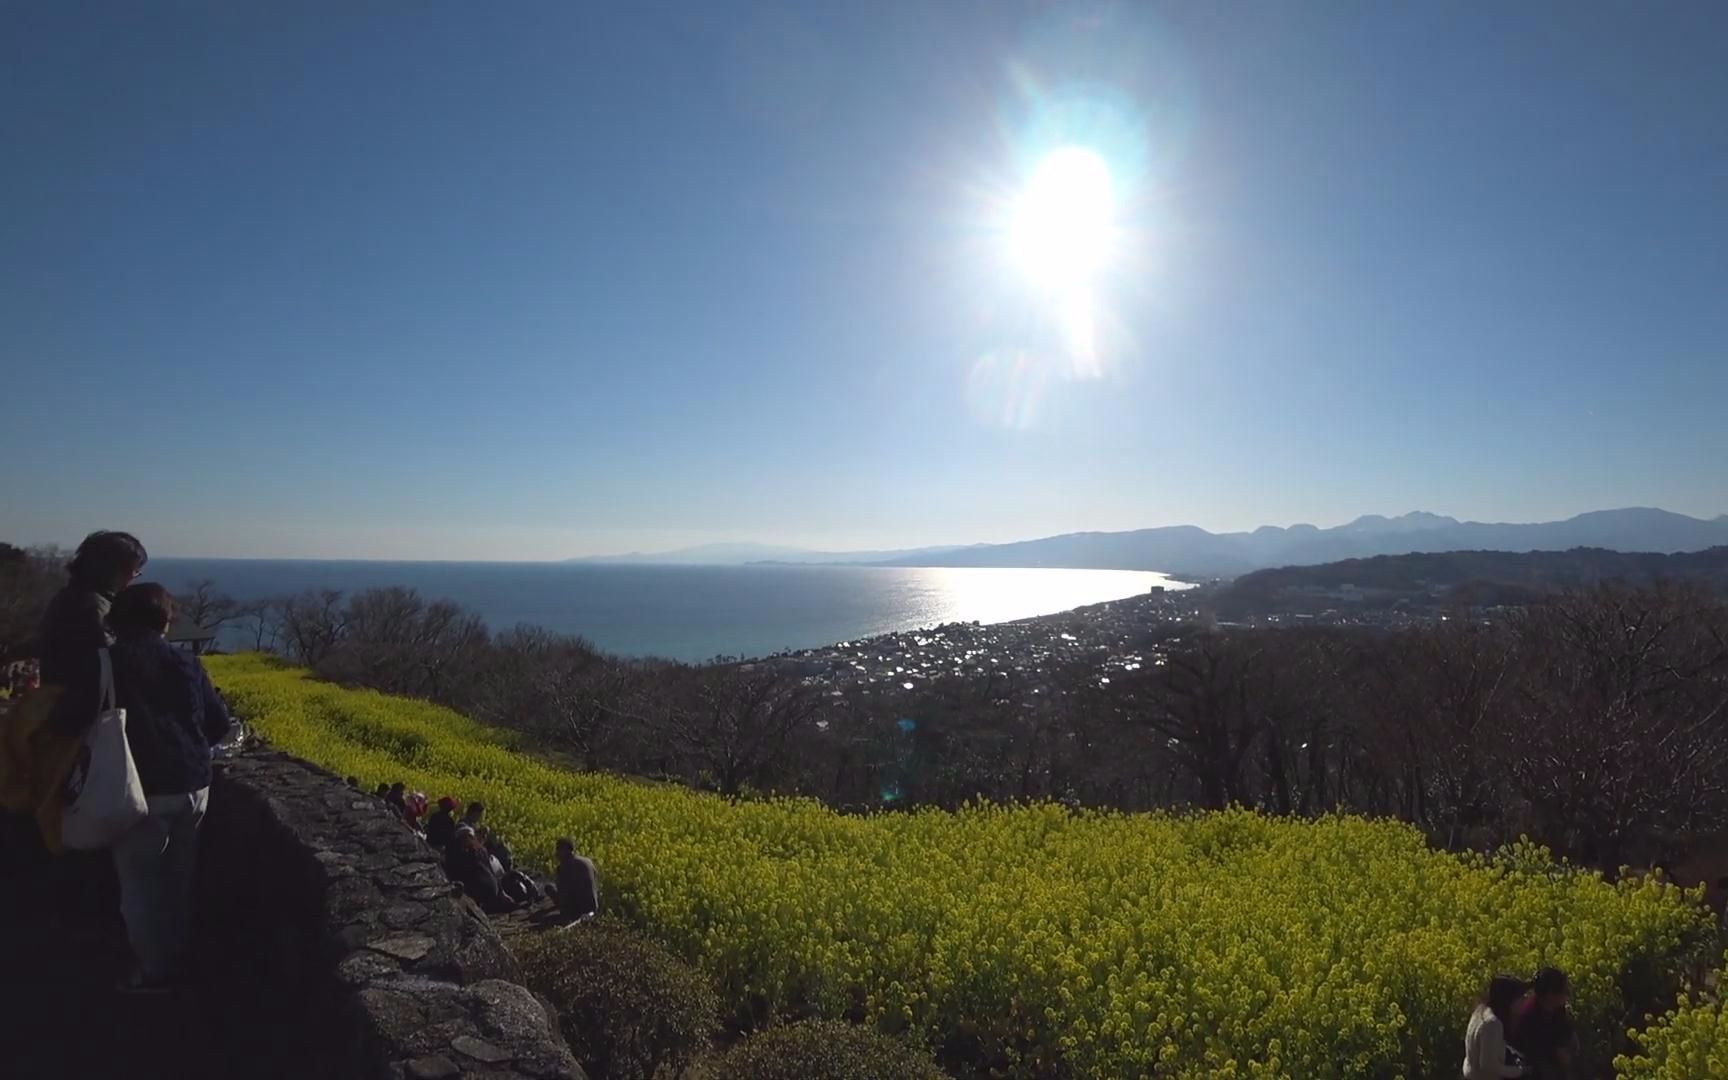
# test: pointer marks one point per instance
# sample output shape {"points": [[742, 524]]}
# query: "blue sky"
{"points": [[529, 280]]}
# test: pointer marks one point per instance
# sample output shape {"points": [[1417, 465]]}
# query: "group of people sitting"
{"points": [[1522, 1029], [479, 860]]}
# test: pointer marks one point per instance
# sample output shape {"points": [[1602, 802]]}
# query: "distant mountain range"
{"points": [[746, 554], [1443, 578], [1190, 550]]}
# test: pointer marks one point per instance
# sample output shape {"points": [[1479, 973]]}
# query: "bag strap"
{"points": [[105, 698]]}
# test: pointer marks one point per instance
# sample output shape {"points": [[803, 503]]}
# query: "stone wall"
{"points": [[330, 944]]}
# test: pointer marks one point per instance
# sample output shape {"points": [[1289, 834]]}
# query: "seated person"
{"points": [[467, 864], [498, 849], [518, 886], [578, 888], [442, 824], [416, 810]]}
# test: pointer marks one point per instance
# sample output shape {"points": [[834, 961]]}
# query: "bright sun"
{"points": [[1063, 223]]}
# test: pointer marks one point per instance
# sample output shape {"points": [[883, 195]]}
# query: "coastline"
{"points": [[686, 614], [1122, 635]]}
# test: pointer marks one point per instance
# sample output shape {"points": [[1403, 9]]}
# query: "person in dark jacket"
{"points": [[173, 718], [74, 629], [442, 824], [578, 884], [471, 817], [468, 864], [1542, 1028], [67, 645]]}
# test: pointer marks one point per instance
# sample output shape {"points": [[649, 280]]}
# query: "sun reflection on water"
{"points": [[991, 595]]}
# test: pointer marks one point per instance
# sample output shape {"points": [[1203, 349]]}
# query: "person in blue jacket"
{"points": [[173, 717]]}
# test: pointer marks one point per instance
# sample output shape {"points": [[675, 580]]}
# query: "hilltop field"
{"points": [[1043, 942]]}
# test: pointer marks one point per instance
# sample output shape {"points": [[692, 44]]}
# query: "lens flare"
{"points": [[1063, 227]]}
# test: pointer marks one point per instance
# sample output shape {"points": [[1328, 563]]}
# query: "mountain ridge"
{"points": [[1194, 551], [1440, 579]]}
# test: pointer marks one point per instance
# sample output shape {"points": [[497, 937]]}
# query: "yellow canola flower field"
{"points": [[1209, 945], [1687, 1043]]}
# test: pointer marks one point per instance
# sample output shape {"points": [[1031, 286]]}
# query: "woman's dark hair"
{"points": [[104, 555], [476, 809], [1550, 981], [1503, 992], [144, 607]]}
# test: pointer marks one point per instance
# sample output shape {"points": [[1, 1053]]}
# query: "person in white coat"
{"points": [[1485, 1049]]}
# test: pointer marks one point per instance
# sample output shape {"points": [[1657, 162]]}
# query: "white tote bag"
{"points": [[103, 796]]}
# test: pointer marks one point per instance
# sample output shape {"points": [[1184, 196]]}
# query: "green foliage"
{"points": [[824, 1050], [1687, 1042], [1101, 944], [627, 1007]]}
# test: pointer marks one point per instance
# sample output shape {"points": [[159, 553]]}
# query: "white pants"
{"points": [[155, 862]]}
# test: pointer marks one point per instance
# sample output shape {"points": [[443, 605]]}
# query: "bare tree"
{"points": [[392, 639], [200, 604], [736, 724], [1441, 722], [28, 580], [312, 624], [262, 619], [1304, 729], [1199, 703], [1623, 719], [590, 699]]}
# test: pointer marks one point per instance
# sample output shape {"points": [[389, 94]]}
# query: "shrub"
{"points": [[627, 1007], [1108, 944], [824, 1050]]}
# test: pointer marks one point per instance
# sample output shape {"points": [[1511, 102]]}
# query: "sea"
{"points": [[690, 613]]}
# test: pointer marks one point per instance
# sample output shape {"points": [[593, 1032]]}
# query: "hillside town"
{"points": [[1116, 636], [1121, 635]]}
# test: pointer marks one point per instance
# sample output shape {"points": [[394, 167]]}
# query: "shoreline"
{"points": [[1122, 635], [689, 615], [1160, 598]]}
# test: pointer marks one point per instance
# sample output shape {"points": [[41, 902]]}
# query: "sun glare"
{"points": [[1064, 220]]}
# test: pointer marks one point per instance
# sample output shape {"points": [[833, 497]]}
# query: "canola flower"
{"points": [[1688, 1042], [1224, 944]]}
